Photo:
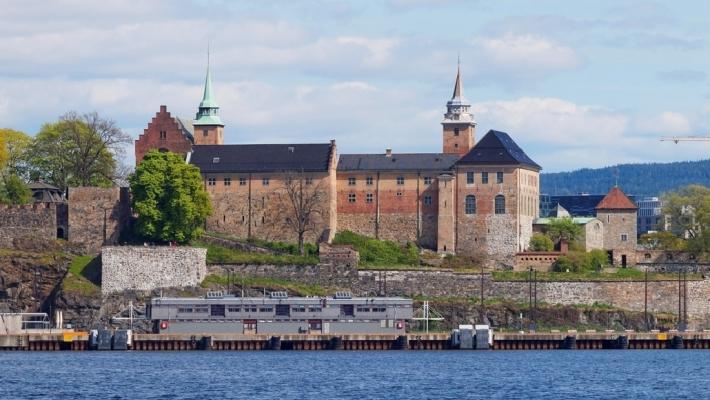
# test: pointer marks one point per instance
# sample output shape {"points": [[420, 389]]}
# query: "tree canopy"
{"points": [[77, 150], [169, 198], [13, 190], [689, 212], [563, 229], [13, 151]]}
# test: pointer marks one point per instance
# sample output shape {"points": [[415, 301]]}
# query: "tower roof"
{"points": [[207, 113], [616, 200], [498, 148], [208, 97], [457, 97]]}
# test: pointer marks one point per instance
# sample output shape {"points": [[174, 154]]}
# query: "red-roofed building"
{"points": [[618, 215]]}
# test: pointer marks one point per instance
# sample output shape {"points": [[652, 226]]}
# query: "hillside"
{"points": [[649, 179]]}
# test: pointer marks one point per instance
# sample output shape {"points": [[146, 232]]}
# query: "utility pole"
{"points": [[483, 313], [535, 300], [645, 298]]}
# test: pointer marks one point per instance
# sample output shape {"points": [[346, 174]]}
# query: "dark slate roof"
{"points": [[498, 148], [261, 157], [396, 162]]}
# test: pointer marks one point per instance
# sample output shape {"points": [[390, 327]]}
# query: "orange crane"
{"points": [[677, 139]]}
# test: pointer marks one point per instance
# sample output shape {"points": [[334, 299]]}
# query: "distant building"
{"points": [[650, 215]]}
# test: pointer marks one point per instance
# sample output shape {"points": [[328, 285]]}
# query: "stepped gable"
{"points": [[498, 148], [616, 200], [396, 162], [262, 157]]}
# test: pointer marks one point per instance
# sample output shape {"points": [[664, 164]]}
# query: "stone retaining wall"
{"points": [[37, 221], [148, 268]]}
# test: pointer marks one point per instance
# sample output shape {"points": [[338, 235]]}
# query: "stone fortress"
{"points": [[473, 198]]}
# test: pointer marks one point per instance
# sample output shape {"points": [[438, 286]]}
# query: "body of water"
{"points": [[597, 374]]}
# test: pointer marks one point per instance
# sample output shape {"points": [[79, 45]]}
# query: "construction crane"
{"points": [[677, 139]]}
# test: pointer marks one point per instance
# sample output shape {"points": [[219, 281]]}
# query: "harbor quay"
{"points": [[125, 340]]}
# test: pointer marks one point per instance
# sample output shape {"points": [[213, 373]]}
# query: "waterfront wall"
{"points": [[148, 268]]}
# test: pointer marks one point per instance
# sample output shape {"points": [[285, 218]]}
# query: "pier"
{"points": [[80, 341]]}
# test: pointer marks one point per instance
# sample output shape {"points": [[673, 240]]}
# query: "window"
{"points": [[470, 204], [427, 180], [227, 181], [215, 160], [351, 181], [399, 194], [500, 204], [234, 309], [217, 310], [456, 131], [314, 309], [185, 309], [351, 197], [266, 309], [427, 200], [205, 132], [309, 181], [163, 135], [368, 180], [469, 178], [211, 181], [499, 177], [484, 178], [242, 181], [298, 308], [624, 237], [369, 197], [200, 309], [265, 181], [400, 180], [283, 310]]}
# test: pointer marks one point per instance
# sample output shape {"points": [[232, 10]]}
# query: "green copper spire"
{"points": [[209, 109]]}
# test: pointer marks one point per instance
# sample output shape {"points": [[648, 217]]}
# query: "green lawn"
{"points": [[84, 276], [224, 255]]}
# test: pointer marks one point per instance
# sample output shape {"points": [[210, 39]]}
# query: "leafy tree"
{"points": [[13, 151], [689, 212], [662, 241], [14, 190], [78, 150], [169, 198], [540, 242], [563, 229]]}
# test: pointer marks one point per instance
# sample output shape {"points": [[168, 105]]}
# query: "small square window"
{"points": [[265, 181], [469, 178], [211, 181], [484, 178], [427, 180], [624, 237], [368, 180], [456, 132], [400, 180], [242, 181], [351, 181], [163, 135], [205, 132], [499, 177], [351, 198], [427, 200], [309, 181], [227, 181], [369, 197]]}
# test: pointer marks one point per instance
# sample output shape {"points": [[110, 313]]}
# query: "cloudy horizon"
{"points": [[576, 86]]}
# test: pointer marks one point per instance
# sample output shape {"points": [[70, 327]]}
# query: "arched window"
{"points": [[470, 204], [500, 204]]}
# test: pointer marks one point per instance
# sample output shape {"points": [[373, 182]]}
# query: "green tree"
{"points": [[13, 151], [169, 198], [663, 240], [540, 242], [14, 190], [689, 212], [563, 229], [77, 150]]}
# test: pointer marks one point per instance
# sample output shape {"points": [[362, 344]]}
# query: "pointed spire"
{"points": [[457, 85], [207, 97], [208, 112]]}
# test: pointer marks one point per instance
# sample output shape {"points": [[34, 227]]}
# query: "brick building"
{"points": [[618, 215], [469, 199]]}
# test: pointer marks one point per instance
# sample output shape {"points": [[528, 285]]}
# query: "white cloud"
{"points": [[524, 56], [668, 122]]}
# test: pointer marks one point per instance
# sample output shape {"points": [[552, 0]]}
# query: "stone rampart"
{"points": [[37, 221], [148, 268], [341, 275], [97, 216]]}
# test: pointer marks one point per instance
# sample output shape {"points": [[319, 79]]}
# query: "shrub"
{"points": [[580, 261], [540, 242], [379, 252]]}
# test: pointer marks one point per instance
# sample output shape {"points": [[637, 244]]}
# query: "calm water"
{"points": [[629, 374]]}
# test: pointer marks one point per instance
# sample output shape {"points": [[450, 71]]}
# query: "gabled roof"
{"points": [[616, 200], [186, 127], [497, 148], [396, 162], [261, 157]]}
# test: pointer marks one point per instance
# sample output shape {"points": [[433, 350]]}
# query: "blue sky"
{"points": [[576, 83]]}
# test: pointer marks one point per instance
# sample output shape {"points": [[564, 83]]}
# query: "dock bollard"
{"points": [[677, 342], [275, 343], [570, 343], [622, 342], [335, 343]]}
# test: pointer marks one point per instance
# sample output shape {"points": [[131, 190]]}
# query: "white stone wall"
{"points": [[148, 268]]}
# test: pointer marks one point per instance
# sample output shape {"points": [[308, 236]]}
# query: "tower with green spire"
{"points": [[209, 128]]}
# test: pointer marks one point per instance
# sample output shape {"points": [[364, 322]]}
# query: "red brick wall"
{"points": [[174, 140]]}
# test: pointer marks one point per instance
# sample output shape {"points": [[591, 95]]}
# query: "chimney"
{"points": [[388, 152], [163, 109]]}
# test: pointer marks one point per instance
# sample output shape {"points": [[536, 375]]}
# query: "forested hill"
{"points": [[634, 179]]}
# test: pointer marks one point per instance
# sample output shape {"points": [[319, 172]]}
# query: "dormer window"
{"points": [[215, 160]]}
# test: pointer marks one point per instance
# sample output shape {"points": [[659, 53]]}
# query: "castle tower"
{"points": [[618, 215], [459, 125], [209, 128]]}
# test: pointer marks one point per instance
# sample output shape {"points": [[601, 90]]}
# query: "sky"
{"points": [[577, 84]]}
